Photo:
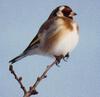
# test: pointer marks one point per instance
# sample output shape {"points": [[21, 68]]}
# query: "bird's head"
{"points": [[63, 11]]}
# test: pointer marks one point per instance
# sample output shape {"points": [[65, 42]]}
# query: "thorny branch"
{"points": [[32, 89]]}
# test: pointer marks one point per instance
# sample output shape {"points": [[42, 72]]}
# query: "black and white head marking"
{"points": [[61, 11]]}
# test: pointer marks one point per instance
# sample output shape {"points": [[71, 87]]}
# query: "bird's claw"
{"points": [[58, 59], [65, 59], [57, 63]]}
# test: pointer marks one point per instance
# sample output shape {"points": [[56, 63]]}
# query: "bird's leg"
{"points": [[66, 57], [58, 59]]}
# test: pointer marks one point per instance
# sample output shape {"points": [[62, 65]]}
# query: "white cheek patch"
{"points": [[59, 13], [61, 8]]}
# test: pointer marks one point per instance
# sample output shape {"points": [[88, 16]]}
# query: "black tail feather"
{"points": [[17, 58], [13, 60]]}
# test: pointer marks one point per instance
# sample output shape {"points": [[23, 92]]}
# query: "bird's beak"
{"points": [[72, 14]]}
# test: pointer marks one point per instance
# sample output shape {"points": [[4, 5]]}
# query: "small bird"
{"points": [[57, 37]]}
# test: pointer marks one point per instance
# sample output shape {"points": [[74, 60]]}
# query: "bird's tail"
{"points": [[21, 56]]}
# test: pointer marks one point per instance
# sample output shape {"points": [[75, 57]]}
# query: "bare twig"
{"points": [[19, 79], [32, 89]]}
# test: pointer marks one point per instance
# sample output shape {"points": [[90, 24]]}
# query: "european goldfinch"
{"points": [[57, 37]]}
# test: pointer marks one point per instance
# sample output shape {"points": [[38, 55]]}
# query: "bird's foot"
{"points": [[58, 59], [66, 57]]}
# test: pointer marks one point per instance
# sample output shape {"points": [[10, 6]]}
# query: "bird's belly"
{"points": [[66, 43]]}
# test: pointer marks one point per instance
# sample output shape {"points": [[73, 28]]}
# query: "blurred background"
{"points": [[19, 23]]}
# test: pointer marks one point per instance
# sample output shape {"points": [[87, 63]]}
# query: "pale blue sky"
{"points": [[19, 23]]}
